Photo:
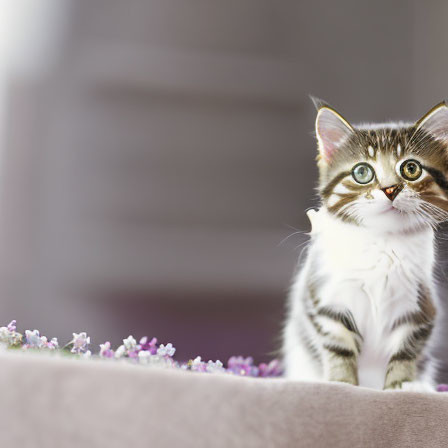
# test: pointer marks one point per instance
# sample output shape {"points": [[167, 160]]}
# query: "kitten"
{"points": [[362, 307]]}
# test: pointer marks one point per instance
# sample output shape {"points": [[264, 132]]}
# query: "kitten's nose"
{"points": [[392, 191]]}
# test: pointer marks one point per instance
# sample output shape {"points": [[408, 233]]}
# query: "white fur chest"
{"points": [[375, 275]]}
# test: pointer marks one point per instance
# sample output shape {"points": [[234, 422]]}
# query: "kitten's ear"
{"points": [[435, 122], [332, 130]]}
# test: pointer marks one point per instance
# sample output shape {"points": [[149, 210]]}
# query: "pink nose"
{"points": [[391, 192]]}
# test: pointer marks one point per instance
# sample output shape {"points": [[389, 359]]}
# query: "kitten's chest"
{"points": [[376, 276]]}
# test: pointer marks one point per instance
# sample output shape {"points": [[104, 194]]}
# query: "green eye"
{"points": [[411, 169], [362, 173]]}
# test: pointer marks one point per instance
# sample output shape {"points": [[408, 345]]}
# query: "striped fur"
{"points": [[362, 308]]}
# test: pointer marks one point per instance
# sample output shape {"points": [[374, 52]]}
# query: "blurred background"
{"points": [[154, 154]]}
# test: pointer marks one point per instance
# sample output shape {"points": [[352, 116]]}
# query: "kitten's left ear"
{"points": [[435, 122]]}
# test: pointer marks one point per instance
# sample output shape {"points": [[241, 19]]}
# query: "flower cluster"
{"points": [[33, 339], [197, 365], [145, 352], [9, 335]]}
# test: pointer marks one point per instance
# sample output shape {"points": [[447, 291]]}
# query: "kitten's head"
{"points": [[391, 177]]}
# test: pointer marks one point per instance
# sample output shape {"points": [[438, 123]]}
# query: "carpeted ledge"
{"points": [[52, 402]]}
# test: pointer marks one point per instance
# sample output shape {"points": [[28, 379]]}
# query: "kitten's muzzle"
{"points": [[392, 191]]}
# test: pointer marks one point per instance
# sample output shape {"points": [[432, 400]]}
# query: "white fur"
{"points": [[373, 271]]}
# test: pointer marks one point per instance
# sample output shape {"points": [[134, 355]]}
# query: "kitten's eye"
{"points": [[411, 169], [362, 173]]}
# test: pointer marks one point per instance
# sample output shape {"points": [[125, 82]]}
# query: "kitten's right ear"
{"points": [[332, 130], [435, 122]]}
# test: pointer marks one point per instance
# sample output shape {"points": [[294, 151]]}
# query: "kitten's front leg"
{"points": [[340, 364], [340, 343], [402, 367]]}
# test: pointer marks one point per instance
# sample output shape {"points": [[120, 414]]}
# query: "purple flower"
{"points": [[12, 326], [133, 354], [33, 339], [120, 352], [215, 367], [197, 365], [80, 342], [150, 346], [270, 370], [442, 388], [130, 343], [166, 350], [36, 341], [9, 335], [53, 344], [242, 366], [105, 350]]}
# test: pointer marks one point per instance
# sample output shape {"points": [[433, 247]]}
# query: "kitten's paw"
{"points": [[414, 386], [345, 381], [417, 386]]}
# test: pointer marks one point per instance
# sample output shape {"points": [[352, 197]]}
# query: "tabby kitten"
{"points": [[362, 307]]}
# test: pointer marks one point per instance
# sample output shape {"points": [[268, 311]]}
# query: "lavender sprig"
{"points": [[146, 352]]}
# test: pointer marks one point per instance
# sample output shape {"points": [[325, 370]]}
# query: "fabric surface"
{"points": [[48, 402]]}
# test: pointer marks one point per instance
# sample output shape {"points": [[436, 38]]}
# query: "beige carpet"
{"points": [[47, 402]]}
